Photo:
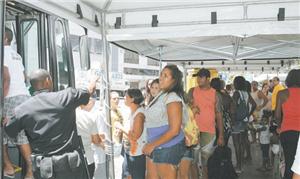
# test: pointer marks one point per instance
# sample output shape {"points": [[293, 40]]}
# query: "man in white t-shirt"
{"points": [[15, 92], [87, 129]]}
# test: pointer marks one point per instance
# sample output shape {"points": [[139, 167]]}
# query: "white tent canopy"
{"points": [[244, 29]]}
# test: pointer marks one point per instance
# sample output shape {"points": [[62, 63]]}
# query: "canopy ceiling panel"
{"points": [[224, 47], [184, 31]]}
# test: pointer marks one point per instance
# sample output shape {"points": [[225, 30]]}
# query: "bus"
{"points": [[70, 52]]}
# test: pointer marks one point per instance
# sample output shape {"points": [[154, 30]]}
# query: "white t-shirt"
{"points": [[13, 61], [296, 165], [99, 154], [264, 137], [86, 126], [142, 140]]}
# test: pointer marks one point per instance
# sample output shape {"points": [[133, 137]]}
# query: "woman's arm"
{"points": [[174, 110], [253, 104], [261, 95], [281, 97], [219, 119], [235, 99], [120, 127], [138, 126], [232, 109]]}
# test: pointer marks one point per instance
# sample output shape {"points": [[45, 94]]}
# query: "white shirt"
{"points": [[13, 61], [99, 154], [86, 126], [296, 165], [142, 140], [264, 137]]}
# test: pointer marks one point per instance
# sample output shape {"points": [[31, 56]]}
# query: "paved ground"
{"points": [[249, 169]]}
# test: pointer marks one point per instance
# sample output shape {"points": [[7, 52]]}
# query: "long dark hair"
{"points": [[177, 87]]}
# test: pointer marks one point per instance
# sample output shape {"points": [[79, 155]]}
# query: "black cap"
{"points": [[203, 72]]}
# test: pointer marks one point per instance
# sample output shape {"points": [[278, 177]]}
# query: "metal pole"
{"points": [[2, 27], [105, 47], [160, 58], [184, 77]]}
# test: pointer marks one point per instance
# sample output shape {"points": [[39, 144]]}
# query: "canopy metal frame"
{"points": [[2, 31]]}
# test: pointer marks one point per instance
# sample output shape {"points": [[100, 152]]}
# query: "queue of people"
{"points": [[154, 143]]}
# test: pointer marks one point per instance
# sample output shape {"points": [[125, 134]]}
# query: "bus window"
{"points": [[81, 75], [30, 45], [61, 56]]}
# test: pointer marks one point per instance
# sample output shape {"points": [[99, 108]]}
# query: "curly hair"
{"points": [[239, 83], [293, 79]]}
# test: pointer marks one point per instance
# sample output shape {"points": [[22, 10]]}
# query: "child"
{"points": [[264, 140]]}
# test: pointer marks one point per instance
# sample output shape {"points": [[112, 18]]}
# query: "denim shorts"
{"points": [[188, 154], [169, 155], [239, 127]]}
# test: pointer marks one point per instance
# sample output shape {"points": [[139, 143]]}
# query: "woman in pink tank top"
{"points": [[287, 114]]}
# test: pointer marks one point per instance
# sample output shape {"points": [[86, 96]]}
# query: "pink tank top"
{"points": [[206, 102]]}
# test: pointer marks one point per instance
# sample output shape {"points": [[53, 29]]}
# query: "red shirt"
{"points": [[205, 100], [291, 111]]}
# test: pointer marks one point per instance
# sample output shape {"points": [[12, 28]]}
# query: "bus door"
{"points": [[32, 40], [61, 60]]}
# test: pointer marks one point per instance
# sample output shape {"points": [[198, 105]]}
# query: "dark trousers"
{"points": [[265, 153], [91, 168], [136, 166], [289, 141]]}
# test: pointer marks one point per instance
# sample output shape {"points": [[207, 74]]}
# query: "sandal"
{"points": [[9, 175]]}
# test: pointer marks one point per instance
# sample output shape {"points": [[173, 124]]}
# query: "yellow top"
{"points": [[277, 88]]}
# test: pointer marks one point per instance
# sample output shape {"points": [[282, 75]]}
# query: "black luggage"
{"points": [[220, 164]]}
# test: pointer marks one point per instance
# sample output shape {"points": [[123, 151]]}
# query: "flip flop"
{"points": [[9, 175]]}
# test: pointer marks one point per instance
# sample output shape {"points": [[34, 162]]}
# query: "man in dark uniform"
{"points": [[48, 119]]}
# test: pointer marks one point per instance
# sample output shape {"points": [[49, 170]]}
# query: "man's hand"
{"points": [[195, 110], [278, 130], [5, 120], [92, 85], [220, 141]]}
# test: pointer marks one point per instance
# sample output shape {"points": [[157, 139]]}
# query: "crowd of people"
{"points": [[154, 141]]}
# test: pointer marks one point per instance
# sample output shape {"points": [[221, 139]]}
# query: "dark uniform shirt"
{"points": [[49, 121]]}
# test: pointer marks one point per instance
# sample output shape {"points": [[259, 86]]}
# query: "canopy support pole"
{"points": [[184, 77], [105, 47], [2, 30], [160, 58]]}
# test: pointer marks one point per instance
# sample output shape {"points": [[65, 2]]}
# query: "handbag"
{"points": [[191, 129]]}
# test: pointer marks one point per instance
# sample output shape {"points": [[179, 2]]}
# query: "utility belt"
{"points": [[47, 165]]}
